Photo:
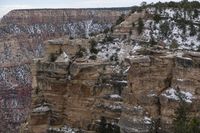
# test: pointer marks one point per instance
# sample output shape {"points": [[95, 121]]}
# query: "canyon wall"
{"points": [[22, 33], [76, 95], [155, 79], [81, 84]]}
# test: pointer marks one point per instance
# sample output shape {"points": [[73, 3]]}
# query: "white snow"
{"points": [[186, 58], [63, 58], [127, 70], [122, 81], [114, 107], [137, 107], [117, 48], [115, 96], [171, 93], [64, 129], [184, 41], [181, 80], [42, 108], [147, 120], [151, 95], [136, 47]]}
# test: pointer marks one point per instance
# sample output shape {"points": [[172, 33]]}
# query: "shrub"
{"points": [[71, 38], [130, 32], [133, 24], [196, 13], [182, 122], [81, 52], [120, 19], [198, 48], [174, 45], [181, 119], [93, 43], [93, 57], [164, 27], [93, 48], [52, 57], [102, 125], [192, 30], [140, 26], [92, 34], [152, 41], [194, 126], [198, 37], [114, 57], [108, 39], [111, 29], [106, 31], [156, 18], [182, 24], [105, 127]]}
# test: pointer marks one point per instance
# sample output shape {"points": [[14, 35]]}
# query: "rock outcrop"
{"points": [[22, 33], [74, 93], [81, 84], [78, 93], [154, 79]]}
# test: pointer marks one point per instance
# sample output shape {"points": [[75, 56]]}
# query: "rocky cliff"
{"points": [[86, 90], [22, 33], [154, 80], [76, 95], [81, 84]]}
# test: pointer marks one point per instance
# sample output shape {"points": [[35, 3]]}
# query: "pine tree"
{"points": [[102, 125], [182, 122], [164, 27], [181, 115], [157, 18], [140, 26], [192, 30], [196, 13]]}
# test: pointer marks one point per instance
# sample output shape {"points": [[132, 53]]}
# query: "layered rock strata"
{"points": [[22, 33], [78, 93], [154, 79], [73, 93]]}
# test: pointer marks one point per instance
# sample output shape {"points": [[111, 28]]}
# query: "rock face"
{"points": [[73, 90], [78, 93], [22, 33], [153, 81], [75, 93]]}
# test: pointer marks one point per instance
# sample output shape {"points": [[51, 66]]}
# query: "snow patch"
{"points": [[63, 58], [64, 129], [42, 108], [115, 96], [171, 93], [147, 120], [181, 80]]}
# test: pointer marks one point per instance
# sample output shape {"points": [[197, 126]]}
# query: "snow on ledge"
{"points": [[115, 96], [42, 108], [147, 120], [171, 93], [64, 129]]}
